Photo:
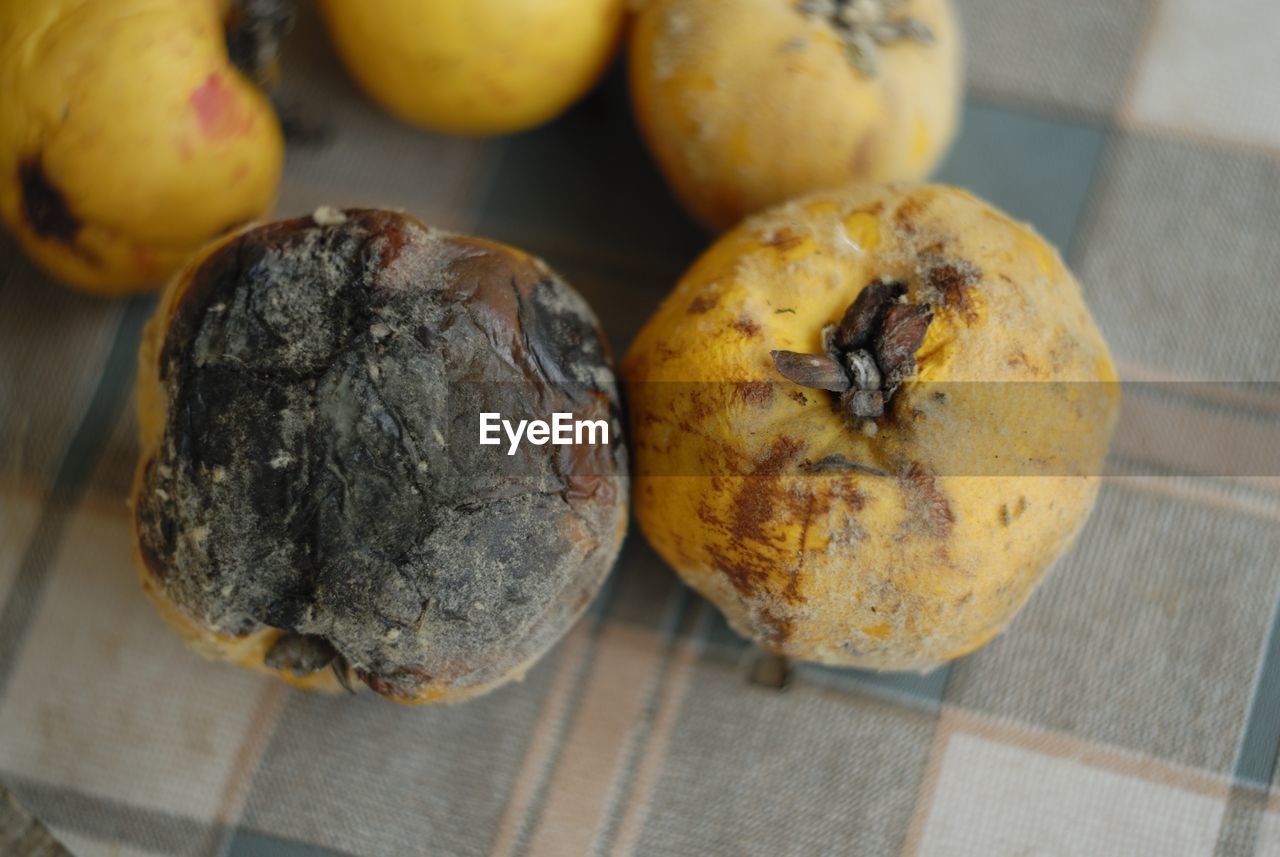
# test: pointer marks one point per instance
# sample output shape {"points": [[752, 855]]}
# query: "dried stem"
{"points": [[867, 355], [865, 26]]}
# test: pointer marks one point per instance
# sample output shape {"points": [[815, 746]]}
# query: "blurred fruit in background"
{"points": [[746, 103], [127, 138], [477, 67]]}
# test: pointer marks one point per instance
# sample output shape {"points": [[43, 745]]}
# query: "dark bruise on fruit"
{"points": [[43, 204], [867, 355], [754, 509], [320, 471], [954, 280], [926, 501]]}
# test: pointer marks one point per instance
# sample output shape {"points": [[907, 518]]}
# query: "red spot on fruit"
{"points": [[220, 111]]}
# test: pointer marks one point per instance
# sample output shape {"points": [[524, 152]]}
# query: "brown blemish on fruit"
{"points": [[907, 213], [784, 240], [954, 280], [753, 512], [792, 590], [747, 328], [756, 393], [843, 489], [702, 304], [747, 577], [777, 629], [747, 561], [43, 204], [926, 502], [782, 452]]}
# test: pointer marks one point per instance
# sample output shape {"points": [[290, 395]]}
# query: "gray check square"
{"points": [[1146, 636], [1180, 260], [366, 776], [755, 771], [1069, 57]]}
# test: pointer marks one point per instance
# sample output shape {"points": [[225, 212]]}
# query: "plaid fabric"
{"points": [[1132, 709]]}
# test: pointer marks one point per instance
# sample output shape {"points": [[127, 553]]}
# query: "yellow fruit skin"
{"points": [[747, 103], [129, 111], [477, 67], [980, 490]]}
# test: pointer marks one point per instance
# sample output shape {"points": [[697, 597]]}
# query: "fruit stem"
{"points": [[867, 356], [865, 26]]}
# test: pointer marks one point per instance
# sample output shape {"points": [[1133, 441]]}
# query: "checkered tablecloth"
{"points": [[1132, 709]]}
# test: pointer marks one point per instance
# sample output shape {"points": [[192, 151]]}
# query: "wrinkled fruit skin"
{"points": [[968, 492], [748, 103], [308, 407], [127, 140], [475, 67]]}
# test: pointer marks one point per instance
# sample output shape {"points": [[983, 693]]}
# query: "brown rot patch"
{"points": [[784, 240], [759, 393], [908, 213], [753, 557], [926, 502], [747, 575], [305, 481], [753, 512], [782, 452], [747, 328], [775, 629], [703, 304], [44, 205], [954, 280]]}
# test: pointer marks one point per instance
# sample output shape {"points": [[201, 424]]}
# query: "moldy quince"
{"points": [[747, 103], [311, 499], [127, 139], [866, 423]]}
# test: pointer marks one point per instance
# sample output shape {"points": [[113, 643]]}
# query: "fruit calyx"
{"points": [[304, 654], [868, 355], [864, 26]]}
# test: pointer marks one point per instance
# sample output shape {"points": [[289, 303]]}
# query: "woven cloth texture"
{"points": [[1132, 709]]}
